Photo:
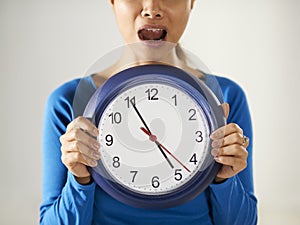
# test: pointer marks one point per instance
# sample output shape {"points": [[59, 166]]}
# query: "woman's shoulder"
{"points": [[227, 83], [67, 90], [229, 87], [64, 92], [227, 90], [72, 96]]}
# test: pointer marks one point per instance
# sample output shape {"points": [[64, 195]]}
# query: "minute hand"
{"points": [[143, 121]]}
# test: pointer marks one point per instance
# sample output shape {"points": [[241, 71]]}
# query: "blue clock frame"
{"points": [[172, 76]]}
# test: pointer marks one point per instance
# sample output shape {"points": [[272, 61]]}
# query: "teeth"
{"points": [[152, 33], [156, 30]]}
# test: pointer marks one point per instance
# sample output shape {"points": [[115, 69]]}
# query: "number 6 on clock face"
{"points": [[155, 142]]}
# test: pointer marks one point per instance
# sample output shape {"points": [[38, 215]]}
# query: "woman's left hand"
{"points": [[229, 148]]}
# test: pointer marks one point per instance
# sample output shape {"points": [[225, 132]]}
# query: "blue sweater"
{"points": [[67, 202]]}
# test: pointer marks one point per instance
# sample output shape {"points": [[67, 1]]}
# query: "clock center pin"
{"points": [[152, 138]]}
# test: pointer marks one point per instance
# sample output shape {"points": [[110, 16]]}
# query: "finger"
{"points": [[234, 138], [84, 124], [225, 131], [246, 141], [73, 158], [226, 109], [77, 146], [234, 150], [236, 164], [225, 172], [78, 135]]}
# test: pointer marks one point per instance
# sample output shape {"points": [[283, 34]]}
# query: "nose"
{"points": [[152, 10], [152, 14]]}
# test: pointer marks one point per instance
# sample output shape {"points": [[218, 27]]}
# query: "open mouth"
{"points": [[152, 34]]}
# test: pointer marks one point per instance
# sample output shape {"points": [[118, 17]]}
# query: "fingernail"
{"points": [[96, 146], [215, 151], [216, 143], [217, 159], [216, 135], [95, 131], [97, 155], [93, 163]]}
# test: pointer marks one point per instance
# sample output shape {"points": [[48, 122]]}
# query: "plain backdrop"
{"points": [[255, 43]]}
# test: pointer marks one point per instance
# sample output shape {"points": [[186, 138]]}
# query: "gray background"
{"points": [[256, 43]]}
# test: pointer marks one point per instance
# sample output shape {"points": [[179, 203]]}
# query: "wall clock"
{"points": [[154, 123]]}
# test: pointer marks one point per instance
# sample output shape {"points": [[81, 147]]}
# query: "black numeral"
{"points": [[130, 101], [175, 99], [116, 162], [178, 175], [109, 140], [194, 159], [155, 182], [193, 114], [199, 136], [134, 172], [115, 117], [152, 93]]}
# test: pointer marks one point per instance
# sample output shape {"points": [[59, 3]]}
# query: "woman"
{"points": [[69, 194]]}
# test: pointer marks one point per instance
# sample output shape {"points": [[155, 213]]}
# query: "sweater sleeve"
{"points": [[64, 201], [233, 202]]}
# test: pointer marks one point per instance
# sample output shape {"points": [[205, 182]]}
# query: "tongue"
{"points": [[148, 34]]}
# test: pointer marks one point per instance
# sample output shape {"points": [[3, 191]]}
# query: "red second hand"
{"points": [[154, 139]]}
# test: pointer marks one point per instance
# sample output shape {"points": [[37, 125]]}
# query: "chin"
{"points": [[154, 44], [156, 51]]}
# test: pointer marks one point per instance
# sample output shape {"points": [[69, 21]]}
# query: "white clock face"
{"points": [[179, 133]]}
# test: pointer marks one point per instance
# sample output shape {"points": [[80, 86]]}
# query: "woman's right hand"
{"points": [[80, 148]]}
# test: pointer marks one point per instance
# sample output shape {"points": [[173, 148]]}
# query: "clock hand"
{"points": [[154, 139], [140, 116], [148, 130]]}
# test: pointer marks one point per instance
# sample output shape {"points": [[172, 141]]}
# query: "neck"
{"points": [[142, 54]]}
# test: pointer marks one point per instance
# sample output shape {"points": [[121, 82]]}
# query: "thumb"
{"points": [[226, 109]]}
